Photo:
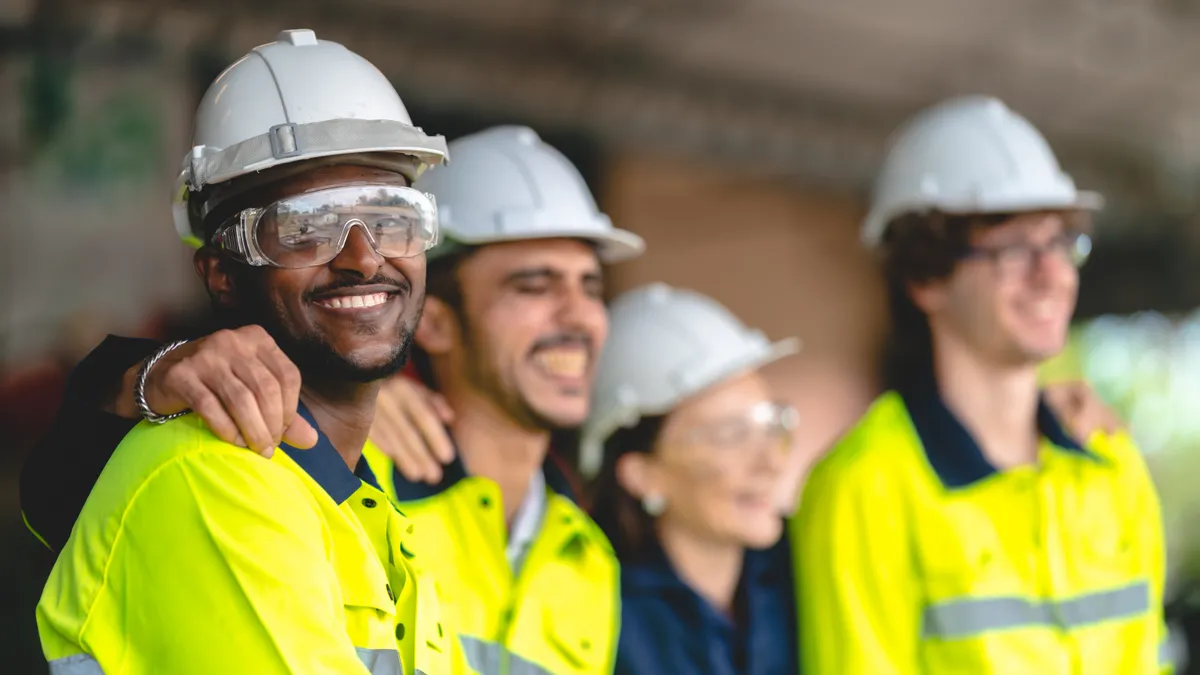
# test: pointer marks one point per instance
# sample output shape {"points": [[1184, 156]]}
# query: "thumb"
{"points": [[300, 434]]}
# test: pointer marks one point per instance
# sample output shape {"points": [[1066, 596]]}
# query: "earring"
{"points": [[654, 504]]}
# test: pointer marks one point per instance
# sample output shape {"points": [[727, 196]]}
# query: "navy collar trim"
{"points": [[324, 465], [455, 471], [652, 571], [953, 453]]}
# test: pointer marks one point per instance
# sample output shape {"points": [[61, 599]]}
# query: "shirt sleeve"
{"points": [[1147, 524], [222, 565], [858, 608], [68, 459]]}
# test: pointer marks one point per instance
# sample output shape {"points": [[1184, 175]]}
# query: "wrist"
{"points": [[123, 404], [139, 387]]}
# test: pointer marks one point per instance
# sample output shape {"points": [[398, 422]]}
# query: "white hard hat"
{"points": [[666, 345], [969, 155], [506, 184], [298, 98]]}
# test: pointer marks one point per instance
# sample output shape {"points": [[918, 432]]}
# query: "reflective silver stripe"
{"points": [[1166, 653], [76, 664], [380, 661], [519, 666], [963, 618], [482, 656], [488, 658]]}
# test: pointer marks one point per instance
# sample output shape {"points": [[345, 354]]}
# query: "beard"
{"points": [[484, 378], [312, 353], [315, 357]]}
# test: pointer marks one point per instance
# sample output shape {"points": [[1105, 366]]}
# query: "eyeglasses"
{"points": [[1021, 259], [769, 422], [311, 229]]}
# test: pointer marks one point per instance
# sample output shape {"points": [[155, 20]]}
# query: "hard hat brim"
{"points": [[876, 224], [613, 246]]}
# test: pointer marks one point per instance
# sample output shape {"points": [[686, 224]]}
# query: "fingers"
{"points": [[300, 434], [195, 394], [430, 423], [399, 439], [239, 383], [242, 404], [442, 407]]}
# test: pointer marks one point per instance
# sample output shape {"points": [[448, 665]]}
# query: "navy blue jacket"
{"points": [[667, 628]]}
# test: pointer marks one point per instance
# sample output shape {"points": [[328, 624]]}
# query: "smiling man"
{"points": [[513, 325], [957, 528], [194, 556], [511, 334]]}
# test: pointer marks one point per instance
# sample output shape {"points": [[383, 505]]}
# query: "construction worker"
{"points": [[514, 320], [513, 327], [693, 445], [957, 527], [194, 556]]}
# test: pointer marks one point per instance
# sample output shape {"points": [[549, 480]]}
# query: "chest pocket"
{"points": [[577, 643], [964, 550], [368, 592]]}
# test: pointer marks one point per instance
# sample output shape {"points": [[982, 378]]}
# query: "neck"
{"points": [[711, 569], [343, 412], [997, 404], [494, 446]]}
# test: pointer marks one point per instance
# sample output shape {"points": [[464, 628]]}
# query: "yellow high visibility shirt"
{"points": [[915, 555], [559, 612], [195, 556]]}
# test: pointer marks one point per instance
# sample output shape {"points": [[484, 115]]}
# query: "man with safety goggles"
{"points": [[194, 556], [311, 229], [514, 322]]}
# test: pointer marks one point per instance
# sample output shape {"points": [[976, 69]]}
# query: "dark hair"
{"points": [[442, 282], [618, 513], [919, 248]]}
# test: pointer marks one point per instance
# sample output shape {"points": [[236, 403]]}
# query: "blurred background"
{"points": [[739, 137]]}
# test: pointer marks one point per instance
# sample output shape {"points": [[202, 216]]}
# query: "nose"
{"points": [[358, 256], [773, 449], [579, 310]]}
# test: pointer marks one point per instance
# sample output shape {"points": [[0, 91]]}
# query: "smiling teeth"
{"points": [[563, 363], [354, 301]]}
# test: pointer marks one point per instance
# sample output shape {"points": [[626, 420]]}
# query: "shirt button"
{"points": [[399, 631], [485, 502], [369, 503]]}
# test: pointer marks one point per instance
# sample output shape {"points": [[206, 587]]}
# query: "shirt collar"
{"points": [[324, 465], [526, 521], [653, 572], [455, 471], [951, 450]]}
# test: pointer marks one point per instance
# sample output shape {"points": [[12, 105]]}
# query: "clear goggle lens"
{"points": [[311, 229]]}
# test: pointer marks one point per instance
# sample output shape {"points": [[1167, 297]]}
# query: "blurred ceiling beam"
{"points": [[557, 69]]}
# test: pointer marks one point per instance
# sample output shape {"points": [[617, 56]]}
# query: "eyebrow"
{"points": [[538, 273]]}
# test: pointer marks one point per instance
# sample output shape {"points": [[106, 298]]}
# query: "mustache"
{"points": [[400, 285], [564, 339]]}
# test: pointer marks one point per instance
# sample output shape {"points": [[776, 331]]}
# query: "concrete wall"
{"points": [[784, 261]]}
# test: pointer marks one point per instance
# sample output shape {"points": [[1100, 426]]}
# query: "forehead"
{"points": [[566, 258], [729, 397]]}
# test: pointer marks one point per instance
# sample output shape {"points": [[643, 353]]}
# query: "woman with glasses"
{"points": [[690, 446]]}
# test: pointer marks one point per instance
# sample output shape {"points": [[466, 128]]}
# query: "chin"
{"points": [[561, 411], [762, 535]]}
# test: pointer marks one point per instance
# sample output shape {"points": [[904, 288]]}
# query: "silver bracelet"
{"points": [[139, 389]]}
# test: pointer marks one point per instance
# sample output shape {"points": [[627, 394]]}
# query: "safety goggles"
{"points": [[310, 229], [767, 423]]}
